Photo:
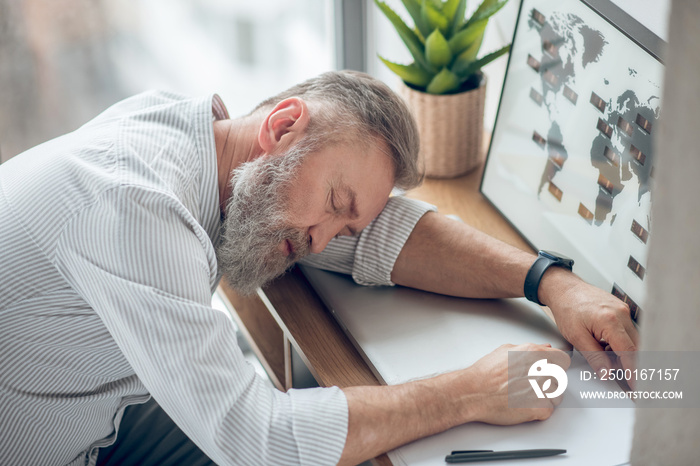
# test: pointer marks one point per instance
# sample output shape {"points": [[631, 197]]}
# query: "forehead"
{"points": [[361, 164]]}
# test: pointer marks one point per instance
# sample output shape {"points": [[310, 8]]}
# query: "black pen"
{"points": [[469, 456]]}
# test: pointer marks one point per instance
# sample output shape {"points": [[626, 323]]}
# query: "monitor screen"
{"points": [[571, 162]]}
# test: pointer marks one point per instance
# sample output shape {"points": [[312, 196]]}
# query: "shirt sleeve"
{"points": [[370, 257], [146, 267]]}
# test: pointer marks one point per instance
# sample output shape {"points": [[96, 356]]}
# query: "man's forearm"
{"points": [[449, 257], [384, 418]]}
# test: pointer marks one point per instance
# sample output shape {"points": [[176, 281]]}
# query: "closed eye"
{"points": [[336, 204]]}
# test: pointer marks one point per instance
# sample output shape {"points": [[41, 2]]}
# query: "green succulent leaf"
{"points": [[414, 9], [420, 36], [443, 82], [465, 58], [476, 65], [413, 43], [433, 18], [467, 36], [437, 50], [444, 45], [412, 74], [449, 8], [487, 9], [458, 17]]}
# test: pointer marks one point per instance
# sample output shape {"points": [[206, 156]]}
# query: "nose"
{"points": [[322, 233]]}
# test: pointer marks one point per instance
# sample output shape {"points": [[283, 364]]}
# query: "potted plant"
{"points": [[444, 86]]}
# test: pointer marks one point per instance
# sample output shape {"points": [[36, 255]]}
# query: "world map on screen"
{"points": [[571, 161], [622, 151]]}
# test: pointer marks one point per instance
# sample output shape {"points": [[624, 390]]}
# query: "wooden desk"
{"points": [[289, 313]]}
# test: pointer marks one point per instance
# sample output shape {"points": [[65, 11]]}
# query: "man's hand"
{"points": [[495, 387], [383, 418], [589, 318]]}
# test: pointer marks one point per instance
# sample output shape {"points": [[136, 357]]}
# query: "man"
{"points": [[115, 236]]}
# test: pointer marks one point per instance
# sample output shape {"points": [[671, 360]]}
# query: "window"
{"points": [[70, 64]]}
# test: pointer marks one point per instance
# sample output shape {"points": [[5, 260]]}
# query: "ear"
{"points": [[286, 122]]}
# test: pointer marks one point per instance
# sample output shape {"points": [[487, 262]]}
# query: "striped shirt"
{"points": [[107, 268]]}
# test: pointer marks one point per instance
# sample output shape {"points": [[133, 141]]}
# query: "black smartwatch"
{"points": [[545, 259]]}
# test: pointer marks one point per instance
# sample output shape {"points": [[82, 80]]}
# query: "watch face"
{"points": [[555, 256]]}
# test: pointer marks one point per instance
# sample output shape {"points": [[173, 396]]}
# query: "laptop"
{"points": [[391, 327]]}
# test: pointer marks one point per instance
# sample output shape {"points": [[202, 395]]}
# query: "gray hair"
{"points": [[349, 106]]}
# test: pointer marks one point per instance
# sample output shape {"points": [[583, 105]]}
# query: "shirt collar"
{"points": [[212, 109]]}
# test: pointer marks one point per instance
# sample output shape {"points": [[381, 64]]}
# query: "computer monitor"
{"points": [[571, 160]]}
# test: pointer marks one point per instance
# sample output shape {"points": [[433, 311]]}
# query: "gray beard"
{"points": [[256, 223]]}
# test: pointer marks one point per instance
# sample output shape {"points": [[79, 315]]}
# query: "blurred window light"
{"points": [[70, 59]]}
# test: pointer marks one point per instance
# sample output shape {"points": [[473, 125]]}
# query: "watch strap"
{"points": [[536, 272]]}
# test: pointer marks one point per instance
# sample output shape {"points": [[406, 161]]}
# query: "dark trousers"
{"points": [[147, 436]]}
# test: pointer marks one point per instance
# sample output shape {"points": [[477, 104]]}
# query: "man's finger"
{"points": [[593, 352], [557, 401], [632, 332], [619, 340], [622, 342], [559, 357]]}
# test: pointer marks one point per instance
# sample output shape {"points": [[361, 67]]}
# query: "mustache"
{"points": [[300, 241]]}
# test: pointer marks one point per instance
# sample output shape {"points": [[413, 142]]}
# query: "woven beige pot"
{"points": [[451, 129]]}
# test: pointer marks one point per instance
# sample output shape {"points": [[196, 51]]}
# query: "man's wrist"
{"points": [[555, 282], [461, 388]]}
